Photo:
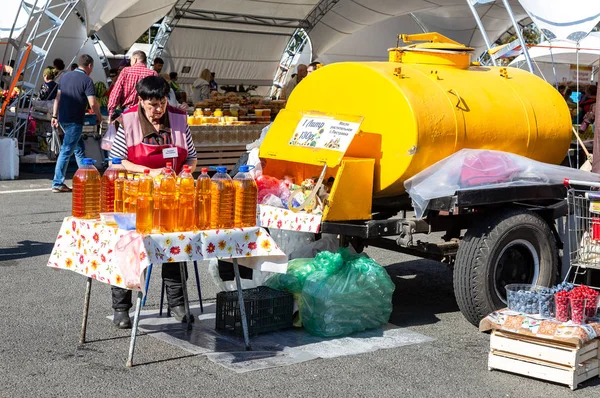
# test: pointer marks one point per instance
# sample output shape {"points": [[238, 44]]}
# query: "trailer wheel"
{"points": [[516, 246]]}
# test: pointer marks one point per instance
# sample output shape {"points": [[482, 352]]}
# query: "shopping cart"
{"points": [[583, 221]]}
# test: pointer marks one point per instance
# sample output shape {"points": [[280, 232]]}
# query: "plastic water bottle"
{"points": [[185, 187], [222, 197], [246, 198], [167, 218], [119, 186], [107, 188], [203, 193], [86, 191], [144, 209]]}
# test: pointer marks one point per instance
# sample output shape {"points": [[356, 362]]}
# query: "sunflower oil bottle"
{"points": [[119, 185], [156, 197], [127, 192], [203, 193], [185, 187], [107, 187], [222, 196], [86, 191], [167, 218], [246, 198], [130, 203], [144, 209]]}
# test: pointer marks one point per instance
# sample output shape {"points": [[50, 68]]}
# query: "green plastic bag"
{"points": [[349, 293], [293, 281]]}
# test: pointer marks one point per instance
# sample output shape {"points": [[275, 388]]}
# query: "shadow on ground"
{"points": [[423, 290], [25, 249]]}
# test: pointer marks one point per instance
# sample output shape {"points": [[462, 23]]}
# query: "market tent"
{"points": [[557, 56], [370, 43], [242, 41], [453, 18]]}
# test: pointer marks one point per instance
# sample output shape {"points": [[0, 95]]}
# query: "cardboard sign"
{"points": [[326, 132]]}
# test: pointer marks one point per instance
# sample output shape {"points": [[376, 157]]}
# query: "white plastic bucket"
{"points": [[9, 158]]}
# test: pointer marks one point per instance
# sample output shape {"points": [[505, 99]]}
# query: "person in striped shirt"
{"points": [[147, 129], [123, 93]]}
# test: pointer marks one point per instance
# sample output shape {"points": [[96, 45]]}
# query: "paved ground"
{"points": [[41, 311]]}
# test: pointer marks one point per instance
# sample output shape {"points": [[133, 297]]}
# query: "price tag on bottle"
{"points": [[169, 153]]}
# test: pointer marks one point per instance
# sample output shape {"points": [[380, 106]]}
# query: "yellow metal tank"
{"points": [[428, 102]]}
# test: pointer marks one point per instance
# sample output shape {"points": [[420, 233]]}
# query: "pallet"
{"points": [[545, 359]]}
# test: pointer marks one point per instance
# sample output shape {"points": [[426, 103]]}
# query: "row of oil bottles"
{"points": [[167, 202]]}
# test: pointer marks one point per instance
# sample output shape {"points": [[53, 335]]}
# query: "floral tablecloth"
{"points": [[274, 217], [532, 325], [119, 257]]}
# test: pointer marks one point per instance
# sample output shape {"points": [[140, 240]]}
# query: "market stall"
{"points": [[121, 258]]}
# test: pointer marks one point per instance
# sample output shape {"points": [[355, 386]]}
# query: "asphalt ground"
{"points": [[41, 318]]}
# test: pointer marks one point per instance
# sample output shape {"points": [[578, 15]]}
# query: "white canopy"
{"points": [[556, 60], [242, 40]]}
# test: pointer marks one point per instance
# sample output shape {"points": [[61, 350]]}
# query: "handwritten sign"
{"points": [[325, 132]]}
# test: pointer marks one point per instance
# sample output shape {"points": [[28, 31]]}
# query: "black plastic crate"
{"points": [[267, 310]]}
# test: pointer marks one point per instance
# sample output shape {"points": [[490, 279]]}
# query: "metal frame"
{"points": [[55, 12], [297, 42], [244, 19], [168, 23], [546, 200]]}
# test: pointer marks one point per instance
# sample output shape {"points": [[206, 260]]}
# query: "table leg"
{"points": [[148, 274], [238, 282], [186, 302], [86, 307], [136, 320], [198, 286]]}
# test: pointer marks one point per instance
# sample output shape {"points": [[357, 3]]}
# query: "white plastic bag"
{"points": [[258, 278], [109, 137]]}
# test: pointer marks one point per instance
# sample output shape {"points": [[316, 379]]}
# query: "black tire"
{"points": [[519, 237]]}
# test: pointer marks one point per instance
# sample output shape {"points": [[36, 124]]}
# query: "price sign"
{"points": [[324, 132]]}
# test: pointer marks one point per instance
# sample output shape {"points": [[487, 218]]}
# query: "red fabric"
{"points": [[151, 156], [123, 92]]}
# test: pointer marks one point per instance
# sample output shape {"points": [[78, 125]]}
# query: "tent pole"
{"points": [[596, 147], [553, 69], [516, 26], [482, 30]]}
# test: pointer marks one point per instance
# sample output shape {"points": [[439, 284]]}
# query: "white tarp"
{"points": [[563, 20]]}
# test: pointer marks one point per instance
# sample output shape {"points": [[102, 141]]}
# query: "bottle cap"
{"points": [[221, 169], [170, 164], [146, 171], [88, 161], [116, 160], [244, 169], [205, 170], [121, 175]]}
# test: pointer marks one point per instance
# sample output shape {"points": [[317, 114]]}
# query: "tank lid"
{"points": [[433, 49]]}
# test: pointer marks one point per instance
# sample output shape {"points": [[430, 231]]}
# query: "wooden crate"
{"points": [[544, 359], [225, 155]]}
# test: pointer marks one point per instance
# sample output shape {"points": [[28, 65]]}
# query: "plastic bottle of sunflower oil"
{"points": [[203, 193], [167, 218], [222, 200], [144, 209], [86, 191], [246, 198], [185, 187], [119, 187]]}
